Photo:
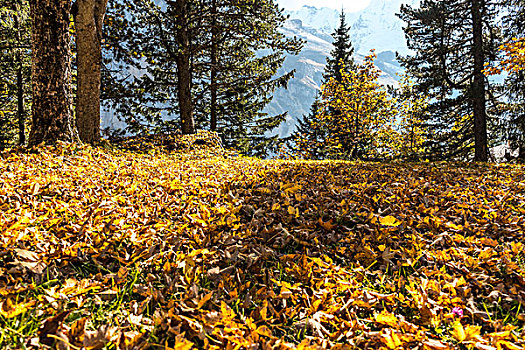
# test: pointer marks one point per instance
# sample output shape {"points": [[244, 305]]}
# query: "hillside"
{"points": [[205, 249], [375, 27]]}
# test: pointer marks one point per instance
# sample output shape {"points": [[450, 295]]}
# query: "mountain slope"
{"points": [[375, 27]]}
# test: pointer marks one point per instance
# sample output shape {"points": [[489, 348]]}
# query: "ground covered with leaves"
{"points": [[125, 249]]}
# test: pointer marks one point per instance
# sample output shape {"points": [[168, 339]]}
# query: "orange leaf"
{"points": [[327, 225]]}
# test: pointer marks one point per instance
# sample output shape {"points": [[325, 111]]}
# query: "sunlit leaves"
{"points": [[389, 221], [9, 309], [214, 251], [513, 59]]}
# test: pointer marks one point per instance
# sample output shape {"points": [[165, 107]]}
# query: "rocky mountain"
{"points": [[375, 27]]}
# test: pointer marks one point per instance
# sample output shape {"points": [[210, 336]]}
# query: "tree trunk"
{"points": [[183, 68], [20, 87], [213, 75], [51, 72], [478, 85], [89, 18], [20, 100]]}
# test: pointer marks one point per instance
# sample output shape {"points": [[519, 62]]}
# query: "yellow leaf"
{"points": [[293, 211], [432, 344], [264, 330], [10, 310], [454, 226], [391, 340], [388, 319], [389, 221], [510, 346], [180, 343], [264, 310], [167, 267], [326, 225], [472, 332], [292, 189], [467, 333]]}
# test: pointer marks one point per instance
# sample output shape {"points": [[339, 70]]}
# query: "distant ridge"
{"points": [[376, 27]]}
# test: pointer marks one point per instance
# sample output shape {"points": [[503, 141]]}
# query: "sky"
{"points": [[349, 5]]}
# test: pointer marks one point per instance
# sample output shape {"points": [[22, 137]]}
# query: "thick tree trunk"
{"points": [[51, 72], [478, 85], [213, 75], [89, 17], [183, 68]]}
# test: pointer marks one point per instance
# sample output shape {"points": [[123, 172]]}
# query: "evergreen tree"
{"points": [[513, 129], [235, 50], [452, 41], [15, 71], [309, 133], [342, 53], [240, 63], [309, 137]]}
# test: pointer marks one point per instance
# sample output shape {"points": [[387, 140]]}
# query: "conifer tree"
{"points": [[230, 79], [236, 80], [342, 53], [452, 40], [15, 71], [310, 136], [310, 133], [513, 129]]}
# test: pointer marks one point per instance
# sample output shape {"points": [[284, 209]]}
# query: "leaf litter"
{"points": [[201, 248]]}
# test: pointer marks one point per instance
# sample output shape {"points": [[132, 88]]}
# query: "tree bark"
{"points": [[213, 68], [184, 68], [20, 112], [89, 18], [478, 85], [20, 101], [51, 72]]}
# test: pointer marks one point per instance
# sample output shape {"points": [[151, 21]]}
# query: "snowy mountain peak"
{"points": [[376, 27]]}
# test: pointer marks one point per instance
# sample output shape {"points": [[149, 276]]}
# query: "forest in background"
{"points": [[211, 65]]}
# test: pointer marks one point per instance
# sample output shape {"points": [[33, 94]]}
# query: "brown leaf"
{"points": [[51, 326], [94, 340]]}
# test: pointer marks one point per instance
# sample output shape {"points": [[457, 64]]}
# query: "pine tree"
{"points": [[235, 50], [308, 140], [15, 71], [237, 81], [310, 136], [513, 129], [452, 40], [342, 53]]}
